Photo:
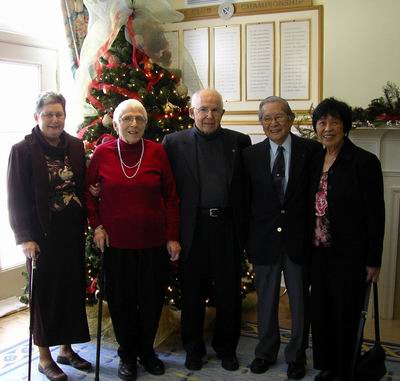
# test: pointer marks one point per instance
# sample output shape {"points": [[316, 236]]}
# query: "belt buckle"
{"points": [[213, 212]]}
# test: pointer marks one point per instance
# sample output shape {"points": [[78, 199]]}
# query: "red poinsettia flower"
{"points": [[387, 117]]}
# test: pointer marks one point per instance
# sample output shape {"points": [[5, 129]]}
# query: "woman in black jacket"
{"points": [[349, 217], [45, 181]]}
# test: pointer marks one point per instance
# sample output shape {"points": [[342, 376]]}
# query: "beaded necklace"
{"points": [[123, 165]]}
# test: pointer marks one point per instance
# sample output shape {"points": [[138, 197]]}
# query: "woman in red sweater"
{"points": [[137, 218]]}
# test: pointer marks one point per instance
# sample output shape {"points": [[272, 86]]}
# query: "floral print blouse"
{"points": [[322, 232]]}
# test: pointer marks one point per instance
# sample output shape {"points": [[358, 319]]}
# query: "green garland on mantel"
{"points": [[381, 112]]}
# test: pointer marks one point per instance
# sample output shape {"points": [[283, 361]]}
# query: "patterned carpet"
{"points": [[13, 362], [392, 350]]}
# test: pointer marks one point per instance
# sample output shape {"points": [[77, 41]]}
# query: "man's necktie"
{"points": [[278, 174]]}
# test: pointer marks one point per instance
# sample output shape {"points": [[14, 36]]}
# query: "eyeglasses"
{"points": [[51, 115], [279, 118], [132, 118], [205, 110]]}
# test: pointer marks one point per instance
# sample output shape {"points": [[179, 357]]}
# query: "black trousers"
{"points": [[337, 294], [135, 282], [213, 259]]}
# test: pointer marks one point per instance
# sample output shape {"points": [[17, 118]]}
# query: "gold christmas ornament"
{"points": [[148, 66], [169, 108], [181, 89]]}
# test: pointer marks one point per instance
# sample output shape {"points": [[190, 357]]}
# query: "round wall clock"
{"points": [[226, 10]]}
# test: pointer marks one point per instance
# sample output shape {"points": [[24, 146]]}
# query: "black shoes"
{"points": [[230, 363], [296, 371], [259, 366], [153, 365], [324, 375], [193, 362], [127, 371]]}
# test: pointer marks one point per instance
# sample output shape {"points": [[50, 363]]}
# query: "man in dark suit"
{"points": [[278, 178], [206, 161]]}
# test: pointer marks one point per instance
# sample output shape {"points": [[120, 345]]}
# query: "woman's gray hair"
{"points": [[49, 97], [274, 99], [133, 103]]}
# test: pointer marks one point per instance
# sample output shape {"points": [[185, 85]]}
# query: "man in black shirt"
{"points": [[206, 161]]}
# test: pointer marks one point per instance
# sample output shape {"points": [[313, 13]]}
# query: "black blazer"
{"points": [[181, 149], [274, 228], [28, 186], [356, 205]]}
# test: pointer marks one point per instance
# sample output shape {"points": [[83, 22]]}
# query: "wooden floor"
{"points": [[15, 327]]}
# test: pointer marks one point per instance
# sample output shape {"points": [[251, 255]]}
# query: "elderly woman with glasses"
{"points": [[136, 218], [45, 198], [349, 217]]}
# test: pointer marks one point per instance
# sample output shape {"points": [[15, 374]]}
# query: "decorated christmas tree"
{"points": [[123, 73]]}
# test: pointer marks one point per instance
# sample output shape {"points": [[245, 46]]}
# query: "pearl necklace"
{"points": [[127, 166]]}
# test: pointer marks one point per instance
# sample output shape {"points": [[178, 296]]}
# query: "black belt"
{"points": [[215, 212]]}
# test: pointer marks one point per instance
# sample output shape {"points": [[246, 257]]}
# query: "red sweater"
{"points": [[137, 213]]}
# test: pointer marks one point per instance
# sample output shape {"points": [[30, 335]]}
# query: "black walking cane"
{"points": [[31, 314], [99, 314]]}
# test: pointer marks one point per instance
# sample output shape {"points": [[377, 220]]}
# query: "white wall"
{"points": [[361, 47], [12, 282]]}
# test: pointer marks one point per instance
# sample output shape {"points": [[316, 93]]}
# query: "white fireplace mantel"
{"points": [[384, 142]]}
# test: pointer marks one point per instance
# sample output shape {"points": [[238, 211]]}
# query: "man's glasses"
{"points": [[203, 111], [51, 115], [279, 118]]}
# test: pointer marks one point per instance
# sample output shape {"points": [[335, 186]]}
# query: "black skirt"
{"points": [[59, 281]]}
